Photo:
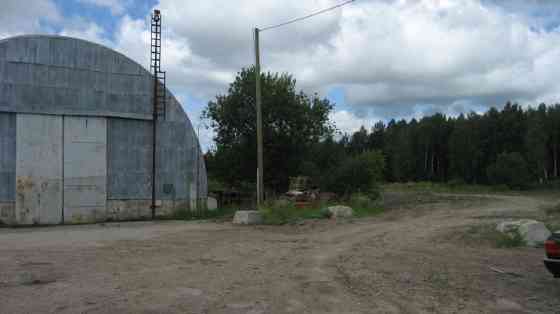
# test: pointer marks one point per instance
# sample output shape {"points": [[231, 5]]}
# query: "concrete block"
{"points": [[211, 203], [340, 211], [247, 217]]}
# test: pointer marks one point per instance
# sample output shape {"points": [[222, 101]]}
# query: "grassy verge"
{"points": [[278, 213], [363, 206], [451, 187], [486, 234], [282, 212]]}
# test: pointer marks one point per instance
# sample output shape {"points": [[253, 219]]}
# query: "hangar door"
{"points": [[61, 169], [38, 169], [85, 169]]}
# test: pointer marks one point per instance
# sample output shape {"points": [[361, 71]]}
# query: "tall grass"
{"points": [[282, 212], [278, 213]]}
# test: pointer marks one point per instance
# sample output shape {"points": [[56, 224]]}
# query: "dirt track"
{"points": [[404, 261]]}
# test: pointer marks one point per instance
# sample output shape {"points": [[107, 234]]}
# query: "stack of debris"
{"points": [[301, 191]]}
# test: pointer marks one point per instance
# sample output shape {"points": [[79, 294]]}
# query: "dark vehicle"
{"points": [[552, 259]]}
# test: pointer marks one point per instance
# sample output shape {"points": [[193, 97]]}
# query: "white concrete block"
{"points": [[247, 217], [211, 203]]}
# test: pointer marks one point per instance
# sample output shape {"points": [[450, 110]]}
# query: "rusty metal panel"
{"points": [[7, 157], [85, 169], [38, 169]]}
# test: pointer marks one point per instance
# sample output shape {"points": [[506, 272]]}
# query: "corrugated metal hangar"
{"points": [[76, 137]]}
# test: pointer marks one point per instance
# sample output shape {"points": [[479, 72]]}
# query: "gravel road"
{"points": [[406, 260]]}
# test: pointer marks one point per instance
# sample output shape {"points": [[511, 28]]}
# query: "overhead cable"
{"points": [[306, 17]]}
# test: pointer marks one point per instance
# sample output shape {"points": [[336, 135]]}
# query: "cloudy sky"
{"points": [[376, 59]]}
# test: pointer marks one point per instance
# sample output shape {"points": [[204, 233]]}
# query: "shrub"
{"points": [[363, 205], [510, 240], [510, 169], [358, 174]]}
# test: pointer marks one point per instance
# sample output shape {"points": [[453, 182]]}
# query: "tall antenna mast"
{"points": [[159, 97]]}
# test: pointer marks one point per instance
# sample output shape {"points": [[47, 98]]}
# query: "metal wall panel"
{"points": [[178, 131], [174, 155], [38, 169], [85, 169], [66, 76], [129, 159], [7, 157]]}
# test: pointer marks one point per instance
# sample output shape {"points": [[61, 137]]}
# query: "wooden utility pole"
{"points": [[260, 185]]}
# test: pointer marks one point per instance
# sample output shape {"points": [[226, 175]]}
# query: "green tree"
{"points": [[464, 154], [292, 123], [536, 141], [510, 169], [359, 141], [552, 126]]}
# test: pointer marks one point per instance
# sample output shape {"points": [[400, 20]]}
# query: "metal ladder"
{"points": [[155, 67]]}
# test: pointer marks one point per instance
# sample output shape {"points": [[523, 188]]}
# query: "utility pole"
{"points": [[260, 185]]}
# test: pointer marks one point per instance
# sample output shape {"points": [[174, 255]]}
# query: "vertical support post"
{"points": [[154, 145], [197, 156], [260, 185]]}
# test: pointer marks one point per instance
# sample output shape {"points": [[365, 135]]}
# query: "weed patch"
{"points": [[487, 235], [363, 206], [511, 240], [277, 213]]}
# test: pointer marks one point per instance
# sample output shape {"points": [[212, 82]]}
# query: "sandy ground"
{"points": [[404, 261]]}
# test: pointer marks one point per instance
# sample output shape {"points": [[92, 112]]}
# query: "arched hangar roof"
{"points": [[51, 74]]}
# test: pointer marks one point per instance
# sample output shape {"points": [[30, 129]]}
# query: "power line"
{"points": [[307, 16]]}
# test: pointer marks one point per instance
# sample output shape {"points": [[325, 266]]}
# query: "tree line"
{"points": [[511, 146]]}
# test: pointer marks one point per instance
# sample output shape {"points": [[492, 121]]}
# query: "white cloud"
{"points": [[382, 53], [117, 7], [347, 122], [19, 17], [88, 30]]}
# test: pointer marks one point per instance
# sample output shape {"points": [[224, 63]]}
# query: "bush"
{"points": [[358, 174], [363, 205], [510, 169], [514, 239]]}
